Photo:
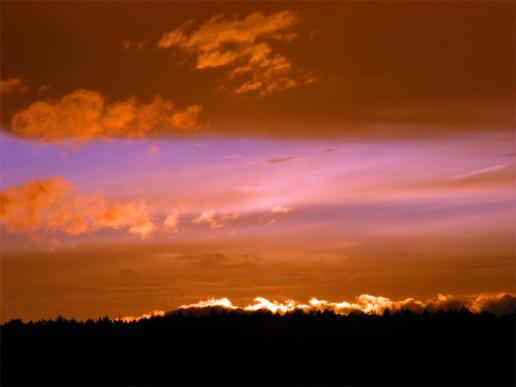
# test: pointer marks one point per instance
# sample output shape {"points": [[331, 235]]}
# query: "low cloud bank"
{"points": [[502, 303]]}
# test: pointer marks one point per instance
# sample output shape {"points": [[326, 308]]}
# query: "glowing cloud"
{"points": [[49, 205], [128, 319], [273, 306], [502, 303], [210, 303], [281, 210], [85, 114], [238, 45]]}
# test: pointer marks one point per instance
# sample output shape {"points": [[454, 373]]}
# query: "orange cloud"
{"points": [[85, 114], [49, 205], [238, 45], [499, 304], [12, 86], [21, 208]]}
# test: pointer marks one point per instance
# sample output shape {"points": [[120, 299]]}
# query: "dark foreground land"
{"points": [[228, 348]]}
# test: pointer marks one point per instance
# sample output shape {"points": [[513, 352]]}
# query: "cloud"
{"points": [[214, 220], [84, 115], [172, 220], [50, 205], [281, 210], [13, 86], [128, 319], [271, 218], [238, 45], [277, 160], [210, 303], [500, 304]]}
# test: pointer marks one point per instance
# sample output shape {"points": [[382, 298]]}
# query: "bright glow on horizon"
{"points": [[368, 304]]}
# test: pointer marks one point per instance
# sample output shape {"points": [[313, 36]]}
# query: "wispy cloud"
{"points": [[241, 46]]}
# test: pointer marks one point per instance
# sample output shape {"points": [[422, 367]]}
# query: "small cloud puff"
{"points": [[13, 86]]}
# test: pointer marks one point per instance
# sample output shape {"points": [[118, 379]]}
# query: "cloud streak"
{"points": [[478, 172], [278, 160], [85, 115]]}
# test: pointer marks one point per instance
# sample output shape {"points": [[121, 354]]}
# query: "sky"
{"points": [[156, 154]]}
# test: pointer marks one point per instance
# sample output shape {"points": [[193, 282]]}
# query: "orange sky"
{"points": [[155, 154]]}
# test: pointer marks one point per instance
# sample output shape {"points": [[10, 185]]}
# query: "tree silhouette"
{"points": [[263, 348]]}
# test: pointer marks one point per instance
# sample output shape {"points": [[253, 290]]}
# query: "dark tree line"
{"points": [[229, 348]]}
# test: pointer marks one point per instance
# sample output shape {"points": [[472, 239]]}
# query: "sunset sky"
{"points": [[157, 154]]}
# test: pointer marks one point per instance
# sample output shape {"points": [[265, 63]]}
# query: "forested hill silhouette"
{"points": [[224, 347]]}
